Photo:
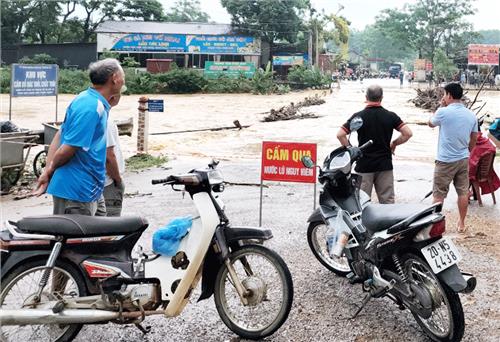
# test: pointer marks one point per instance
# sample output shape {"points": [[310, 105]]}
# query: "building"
{"points": [[189, 45]]}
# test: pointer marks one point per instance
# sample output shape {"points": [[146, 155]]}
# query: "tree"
{"points": [[187, 11], [444, 68], [270, 20], [488, 37], [147, 10], [43, 25], [426, 25], [15, 14]]}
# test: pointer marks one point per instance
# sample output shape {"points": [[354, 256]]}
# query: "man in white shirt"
{"points": [[114, 187]]}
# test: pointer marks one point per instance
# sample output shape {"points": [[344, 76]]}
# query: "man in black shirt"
{"points": [[378, 125]]}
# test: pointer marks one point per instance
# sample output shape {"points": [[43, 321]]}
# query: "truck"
{"points": [[395, 69]]}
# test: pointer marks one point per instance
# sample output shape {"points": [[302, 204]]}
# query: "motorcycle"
{"points": [[63, 271], [396, 251]]}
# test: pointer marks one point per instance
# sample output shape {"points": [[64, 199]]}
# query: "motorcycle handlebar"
{"points": [[366, 144], [160, 181]]}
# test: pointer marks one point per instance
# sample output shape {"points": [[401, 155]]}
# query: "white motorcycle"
{"points": [[60, 272]]}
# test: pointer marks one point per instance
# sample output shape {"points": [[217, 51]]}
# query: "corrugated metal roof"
{"points": [[162, 27]]}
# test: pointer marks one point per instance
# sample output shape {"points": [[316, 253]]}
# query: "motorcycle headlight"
{"points": [[215, 177]]}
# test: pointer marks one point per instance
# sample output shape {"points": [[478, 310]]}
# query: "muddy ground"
{"points": [[322, 301]]}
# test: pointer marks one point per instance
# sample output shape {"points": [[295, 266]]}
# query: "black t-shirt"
{"points": [[378, 125]]}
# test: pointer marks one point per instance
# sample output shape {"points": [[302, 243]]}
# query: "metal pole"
{"points": [[310, 48], [57, 88], [317, 49], [260, 205], [11, 91], [10, 105], [57, 100]]}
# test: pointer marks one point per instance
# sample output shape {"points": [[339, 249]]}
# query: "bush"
{"points": [[73, 81], [181, 81], [140, 82], [301, 77], [224, 84], [130, 62], [41, 58], [262, 81], [5, 80]]}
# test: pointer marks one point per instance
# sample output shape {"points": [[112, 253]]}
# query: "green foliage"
{"points": [[443, 66], [41, 58], [488, 37], [181, 81], [109, 54], [5, 80], [130, 62], [262, 81], [426, 25], [38, 21], [140, 82], [224, 84], [271, 20], [73, 81], [302, 77], [144, 161], [187, 11]]}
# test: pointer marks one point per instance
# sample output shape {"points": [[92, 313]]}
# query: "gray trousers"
{"points": [[65, 206], [384, 185], [113, 197]]}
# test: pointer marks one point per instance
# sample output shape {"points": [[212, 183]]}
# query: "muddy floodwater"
{"points": [[200, 111]]}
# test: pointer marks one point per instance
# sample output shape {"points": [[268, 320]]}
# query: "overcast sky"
{"points": [[363, 12]]}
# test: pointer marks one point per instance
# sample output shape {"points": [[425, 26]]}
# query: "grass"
{"points": [[144, 161]]}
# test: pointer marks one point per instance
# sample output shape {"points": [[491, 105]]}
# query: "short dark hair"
{"points": [[374, 93], [455, 90], [101, 71]]}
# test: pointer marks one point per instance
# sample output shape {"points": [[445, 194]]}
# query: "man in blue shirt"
{"points": [[76, 163], [457, 137]]}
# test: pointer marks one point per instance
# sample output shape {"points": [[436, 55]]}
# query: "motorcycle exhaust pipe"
{"points": [[471, 282], [46, 316]]}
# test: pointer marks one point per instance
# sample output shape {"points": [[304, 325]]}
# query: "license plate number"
{"points": [[441, 254]]}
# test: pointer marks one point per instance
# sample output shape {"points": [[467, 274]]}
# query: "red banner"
{"points": [[281, 161], [483, 54]]}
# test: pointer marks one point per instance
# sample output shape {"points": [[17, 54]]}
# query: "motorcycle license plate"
{"points": [[441, 254]]}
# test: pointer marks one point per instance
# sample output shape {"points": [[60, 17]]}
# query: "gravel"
{"points": [[323, 302]]}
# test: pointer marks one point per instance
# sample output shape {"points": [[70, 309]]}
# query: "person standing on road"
{"points": [[76, 160], [376, 164], [458, 131], [401, 78], [114, 186]]}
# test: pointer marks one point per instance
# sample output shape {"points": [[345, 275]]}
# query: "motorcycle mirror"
{"points": [[307, 162], [355, 124]]}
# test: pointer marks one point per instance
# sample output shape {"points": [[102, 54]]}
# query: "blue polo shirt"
{"points": [[82, 177], [456, 123]]}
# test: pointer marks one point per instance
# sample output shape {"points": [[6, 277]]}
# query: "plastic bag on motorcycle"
{"points": [[166, 240]]}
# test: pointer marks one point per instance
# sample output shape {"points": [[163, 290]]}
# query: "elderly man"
{"points": [[76, 163], [376, 164], [458, 131]]}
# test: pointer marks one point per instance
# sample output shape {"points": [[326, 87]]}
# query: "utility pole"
{"points": [[317, 49], [310, 49]]}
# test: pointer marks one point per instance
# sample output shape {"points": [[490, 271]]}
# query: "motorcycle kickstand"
{"points": [[145, 330], [363, 304]]}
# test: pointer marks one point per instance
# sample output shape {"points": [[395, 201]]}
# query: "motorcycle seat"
{"points": [[378, 217], [81, 225]]}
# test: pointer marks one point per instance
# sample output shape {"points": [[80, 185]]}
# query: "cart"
{"points": [[13, 156], [40, 161]]}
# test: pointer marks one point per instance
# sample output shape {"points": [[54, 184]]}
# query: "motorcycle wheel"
{"points": [[316, 238], [447, 320], [39, 163], [265, 275], [20, 286]]}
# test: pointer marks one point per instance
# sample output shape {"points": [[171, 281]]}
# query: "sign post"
{"points": [[33, 80], [281, 161]]}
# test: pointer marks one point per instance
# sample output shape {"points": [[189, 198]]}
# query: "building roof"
{"points": [[162, 27]]}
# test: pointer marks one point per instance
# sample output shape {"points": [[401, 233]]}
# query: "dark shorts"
{"points": [[445, 173]]}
